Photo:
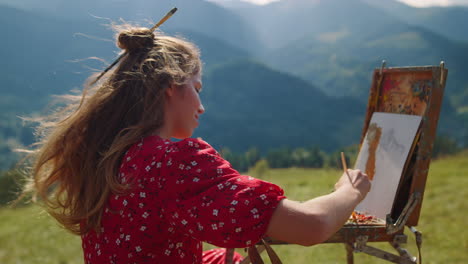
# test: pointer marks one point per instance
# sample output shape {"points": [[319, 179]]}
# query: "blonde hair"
{"points": [[77, 159]]}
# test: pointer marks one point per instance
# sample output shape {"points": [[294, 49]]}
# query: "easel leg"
{"points": [[349, 253], [229, 255]]}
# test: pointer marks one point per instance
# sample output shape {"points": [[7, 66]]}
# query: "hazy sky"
{"points": [[416, 3], [424, 3], [260, 2]]}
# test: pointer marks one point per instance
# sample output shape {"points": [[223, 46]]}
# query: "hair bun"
{"points": [[135, 39]]}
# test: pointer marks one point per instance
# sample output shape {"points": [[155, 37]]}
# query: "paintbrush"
{"points": [[345, 168], [166, 17]]}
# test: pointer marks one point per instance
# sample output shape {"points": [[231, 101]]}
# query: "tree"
{"points": [[299, 157], [316, 158], [237, 161], [252, 156], [260, 169], [10, 186], [279, 158], [444, 145]]}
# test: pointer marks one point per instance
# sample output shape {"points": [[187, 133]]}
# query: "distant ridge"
{"points": [[291, 73]]}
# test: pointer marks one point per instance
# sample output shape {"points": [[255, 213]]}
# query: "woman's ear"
{"points": [[171, 89]]}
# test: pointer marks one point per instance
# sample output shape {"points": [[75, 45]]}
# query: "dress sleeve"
{"points": [[210, 201]]}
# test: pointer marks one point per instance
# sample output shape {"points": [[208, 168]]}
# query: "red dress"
{"points": [[182, 193]]}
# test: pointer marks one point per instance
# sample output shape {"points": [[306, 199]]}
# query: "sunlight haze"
{"points": [[260, 2], [415, 3], [426, 3]]}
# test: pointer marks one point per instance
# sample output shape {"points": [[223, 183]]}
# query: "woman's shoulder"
{"points": [[190, 148], [196, 144], [154, 144], [156, 150]]}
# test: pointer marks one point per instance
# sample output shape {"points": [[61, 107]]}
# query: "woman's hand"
{"points": [[356, 181]]}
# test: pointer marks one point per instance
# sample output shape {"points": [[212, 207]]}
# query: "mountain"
{"points": [[45, 55], [343, 66], [194, 15], [338, 54], [287, 21], [213, 51], [40, 50], [336, 44], [52, 52], [291, 73], [248, 104], [450, 22], [36, 63]]}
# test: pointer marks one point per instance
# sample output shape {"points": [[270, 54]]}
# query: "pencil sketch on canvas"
{"points": [[383, 156]]}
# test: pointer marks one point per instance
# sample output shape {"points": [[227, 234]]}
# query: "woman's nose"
{"points": [[201, 109]]}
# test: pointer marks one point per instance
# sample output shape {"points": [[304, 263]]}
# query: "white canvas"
{"points": [[385, 148]]}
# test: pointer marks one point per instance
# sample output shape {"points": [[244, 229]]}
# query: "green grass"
{"points": [[29, 236], [444, 213]]}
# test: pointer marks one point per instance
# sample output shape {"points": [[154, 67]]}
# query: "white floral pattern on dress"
{"points": [[182, 193]]}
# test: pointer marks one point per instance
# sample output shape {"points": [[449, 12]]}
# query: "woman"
{"points": [[107, 170]]}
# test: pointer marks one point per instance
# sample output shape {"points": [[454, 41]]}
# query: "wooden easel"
{"points": [[389, 93]]}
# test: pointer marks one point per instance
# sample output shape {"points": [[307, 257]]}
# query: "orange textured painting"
{"points": [[406, 93]]}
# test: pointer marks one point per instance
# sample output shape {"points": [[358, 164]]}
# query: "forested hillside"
{"points": [[292, 73]]}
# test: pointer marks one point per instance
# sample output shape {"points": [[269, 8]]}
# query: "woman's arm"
{"points": [[314, 221]]}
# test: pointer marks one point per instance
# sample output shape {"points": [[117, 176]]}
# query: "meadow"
{"points": [[27, 235]]}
